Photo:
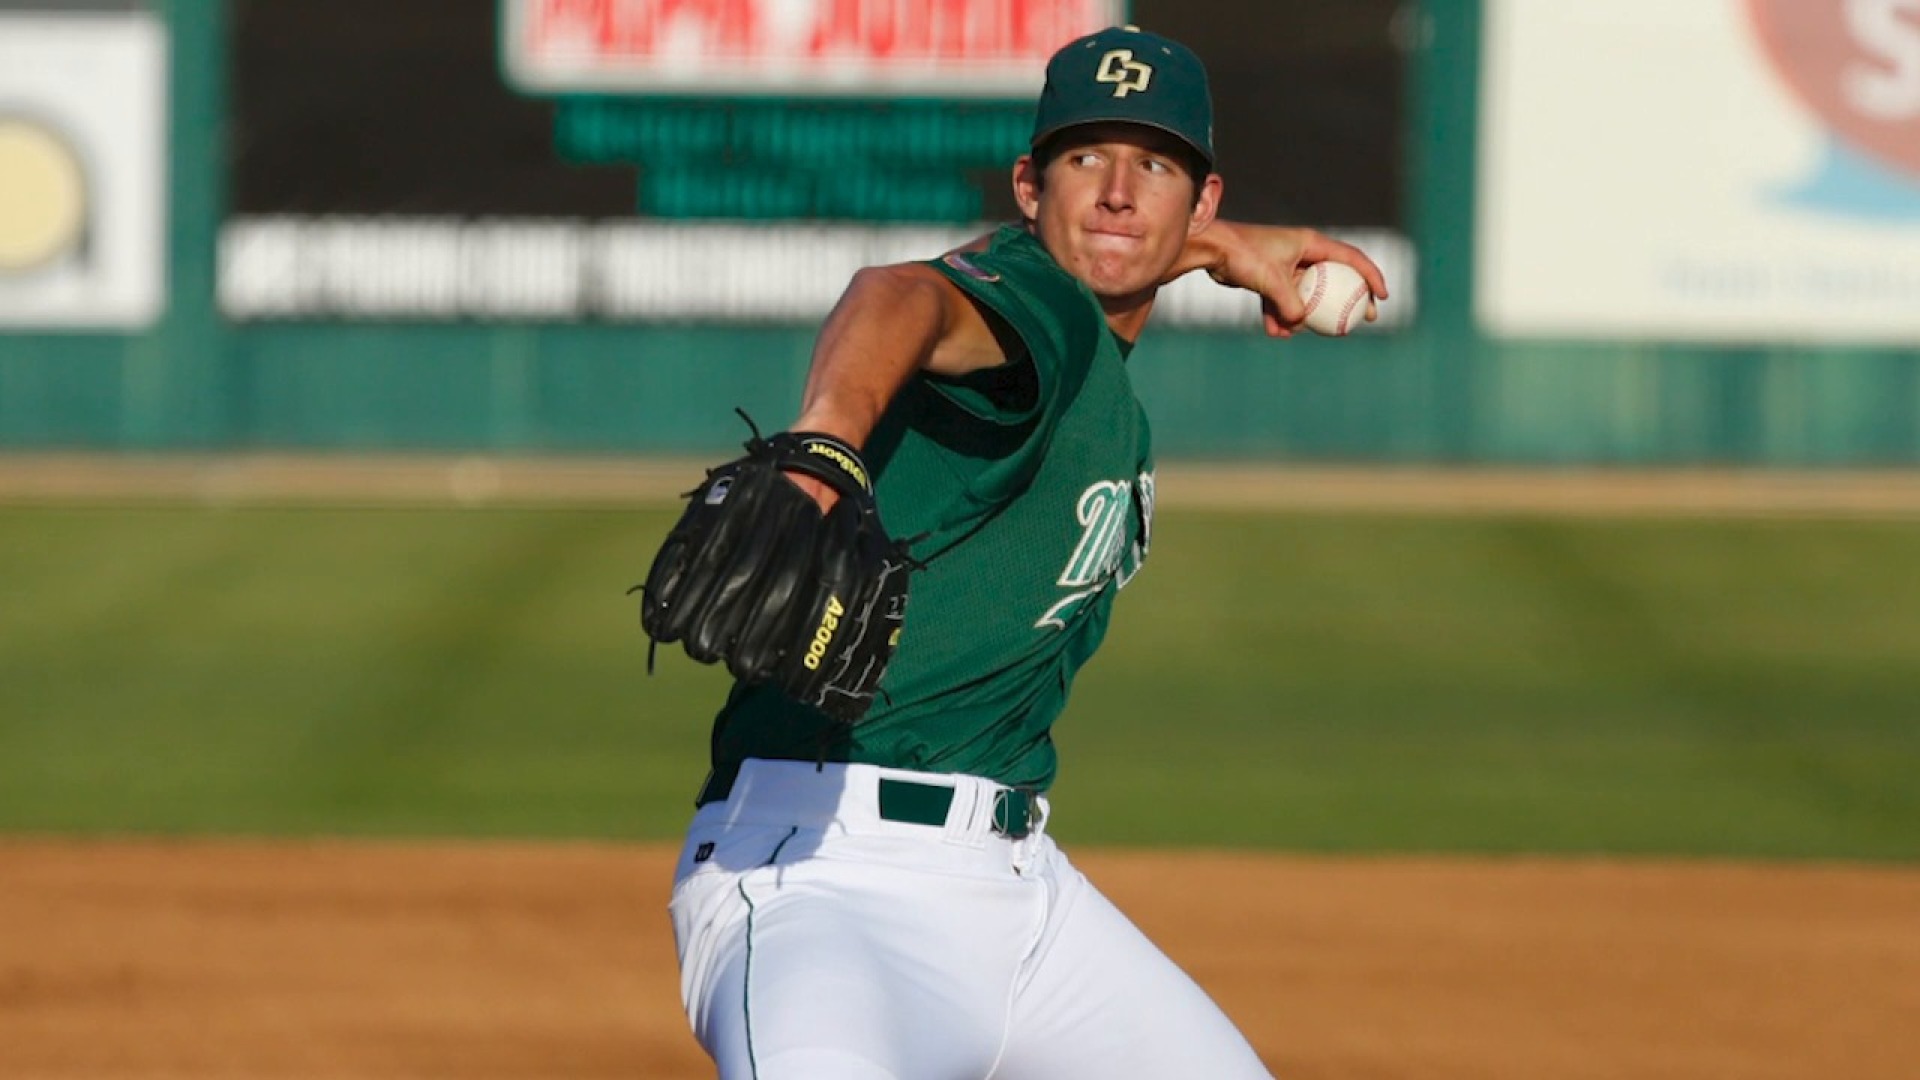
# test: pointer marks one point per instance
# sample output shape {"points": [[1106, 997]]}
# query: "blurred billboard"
{"points": [[83, 151], [1716, 170], [943, 48], [696, 160]]}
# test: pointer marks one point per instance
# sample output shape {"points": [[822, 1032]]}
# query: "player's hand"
{"points": [[1267, 259], [822, 492]]}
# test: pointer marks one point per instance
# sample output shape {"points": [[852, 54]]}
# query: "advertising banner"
{"points": [[526, 161], [1718, 170], [965, 48], [83, 206]]}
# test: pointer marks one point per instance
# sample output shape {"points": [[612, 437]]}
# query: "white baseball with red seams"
{"points": [[1336, 297]]}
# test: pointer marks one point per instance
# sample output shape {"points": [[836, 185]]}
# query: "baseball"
{"points": [[1336, 297]]}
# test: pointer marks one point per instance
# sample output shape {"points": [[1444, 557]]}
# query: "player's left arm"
{"points": [[1267, 260]]}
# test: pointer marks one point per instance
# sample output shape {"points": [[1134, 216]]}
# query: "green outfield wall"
{"points": [[1436, 391]]}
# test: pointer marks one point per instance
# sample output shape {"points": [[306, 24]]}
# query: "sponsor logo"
{"points": [[703, 852], [43, 215], [841, 458], [717, 494], [823, 637], [965, 265], [975, 47], [1855, 65], [1127, 74]]}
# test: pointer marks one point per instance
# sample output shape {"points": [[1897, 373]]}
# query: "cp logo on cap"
{"points": [[1120, 68]]}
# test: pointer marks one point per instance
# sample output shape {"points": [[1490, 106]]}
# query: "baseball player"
{"points": [[867, 888]]}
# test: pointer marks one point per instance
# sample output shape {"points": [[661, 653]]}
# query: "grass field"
{"points": [[1314, 682]]}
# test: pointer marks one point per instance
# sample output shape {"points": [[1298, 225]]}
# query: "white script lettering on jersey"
{"points": [[1116, 527]]}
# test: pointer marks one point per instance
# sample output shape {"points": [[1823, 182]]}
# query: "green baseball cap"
{"points": [[1124, 73]]}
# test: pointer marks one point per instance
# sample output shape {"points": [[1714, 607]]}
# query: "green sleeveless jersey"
{"points": [[1031, 487]]}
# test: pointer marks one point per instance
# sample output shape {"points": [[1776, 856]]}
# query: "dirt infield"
{"points": [[225, 480], [158, 960]]}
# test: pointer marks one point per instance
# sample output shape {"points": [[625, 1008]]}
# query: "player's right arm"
{"points": [[891, 322]]}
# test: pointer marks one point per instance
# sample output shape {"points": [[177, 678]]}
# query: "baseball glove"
{"points": [[754, 574]]}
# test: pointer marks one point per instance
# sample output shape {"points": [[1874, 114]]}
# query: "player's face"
{"points": [[1115, 207]]}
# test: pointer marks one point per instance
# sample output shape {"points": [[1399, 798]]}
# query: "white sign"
{"points": [[1733, 170], [628, 270], [83, 150], [943, 48]]}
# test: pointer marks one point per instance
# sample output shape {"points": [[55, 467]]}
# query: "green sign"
{"points": [[882, 161]]}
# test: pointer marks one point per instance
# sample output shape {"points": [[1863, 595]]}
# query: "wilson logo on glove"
{"points": [[839, 455]]}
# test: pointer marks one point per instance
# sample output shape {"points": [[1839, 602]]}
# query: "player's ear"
{"points": [[1206, 203], [1026, 186]]}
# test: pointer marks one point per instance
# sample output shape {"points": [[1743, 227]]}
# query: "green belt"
{"points": [[916, 803], [927, 804]]}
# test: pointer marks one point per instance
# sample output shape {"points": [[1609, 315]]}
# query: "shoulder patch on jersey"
{"points": [[965, 265]]}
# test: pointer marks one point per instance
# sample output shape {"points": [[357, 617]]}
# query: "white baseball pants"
{"points": [[821, 941]]}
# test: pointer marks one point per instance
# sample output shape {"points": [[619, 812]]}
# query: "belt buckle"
{"points": [[1013, 812]]}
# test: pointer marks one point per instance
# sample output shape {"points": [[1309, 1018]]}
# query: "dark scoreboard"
{"points": [[374, 107], [732, 161]]}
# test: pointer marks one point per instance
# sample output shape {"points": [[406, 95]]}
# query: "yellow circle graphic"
{"points": [[42, 195]]}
